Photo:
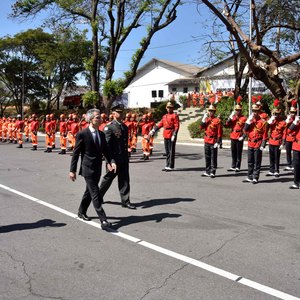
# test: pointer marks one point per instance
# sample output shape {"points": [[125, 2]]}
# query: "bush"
{"points": [[195, 131]]}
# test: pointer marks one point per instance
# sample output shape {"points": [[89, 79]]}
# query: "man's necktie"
{"points": [[97, 140]]}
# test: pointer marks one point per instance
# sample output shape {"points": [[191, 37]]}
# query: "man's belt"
{"points": [[276, 139], [211, 136], [236, 130], [255, 141], [169, 128]]}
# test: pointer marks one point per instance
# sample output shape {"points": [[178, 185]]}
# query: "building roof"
{"points": [[189, 69], [184, 81]]}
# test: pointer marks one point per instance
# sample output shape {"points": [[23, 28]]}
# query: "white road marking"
{"points": [[239, 279]]}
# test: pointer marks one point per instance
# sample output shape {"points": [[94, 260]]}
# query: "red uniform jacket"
{"points": [[295, 129], [257, 132], [237, 124], [277, 129], [34, 126], [213, 130], [63, 128], [289, 135], [170, 123]]}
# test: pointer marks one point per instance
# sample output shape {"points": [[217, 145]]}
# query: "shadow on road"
{"points": [[155, 202], [124, 221], [26, 226]]}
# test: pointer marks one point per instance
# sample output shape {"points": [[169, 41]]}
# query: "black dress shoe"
{"points": [[105, 225], [84, 217], [294, 187], [128, 205]]}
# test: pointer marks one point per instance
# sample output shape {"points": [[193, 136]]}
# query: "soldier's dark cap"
{"points": [[118, 108]]}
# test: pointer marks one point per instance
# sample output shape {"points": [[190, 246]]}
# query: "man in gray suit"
{"points": [[91, 145]]}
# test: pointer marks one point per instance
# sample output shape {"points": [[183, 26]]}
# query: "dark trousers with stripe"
{"points": [[211, 158], [274, 155], [236, 153], [254, 162], [296, 165]]}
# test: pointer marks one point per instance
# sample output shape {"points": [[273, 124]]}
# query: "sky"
{"points": [[179, 42]]}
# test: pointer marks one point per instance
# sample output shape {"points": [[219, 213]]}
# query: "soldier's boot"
{"points": [[27, 140], [10, 141], [53, 146], [146, 157], [143, 158], [20, 146], [63, 151], [15, 142], [34, 148]]}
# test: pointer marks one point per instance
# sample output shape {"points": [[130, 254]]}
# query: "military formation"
{"points": [[259, 129]]}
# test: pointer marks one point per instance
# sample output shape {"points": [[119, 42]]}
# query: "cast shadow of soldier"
{"points": [[27, 226], [124, 221]]}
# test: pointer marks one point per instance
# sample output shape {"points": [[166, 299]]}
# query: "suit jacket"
{"points": [[91, 154], [116, 135]]}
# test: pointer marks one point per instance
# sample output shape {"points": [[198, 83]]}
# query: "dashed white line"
{"points": [[239, 279]]}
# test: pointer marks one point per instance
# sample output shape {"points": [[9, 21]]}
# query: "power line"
{"points": [[165, 46]]}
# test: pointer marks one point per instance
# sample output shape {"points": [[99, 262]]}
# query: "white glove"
{"points": [[261, 148], [216, 145], [173, 138], [231, 115], [288, 119], [270, 121], [204, 118], [296, 121], [241, 138], [249, 119], [281, 147]]}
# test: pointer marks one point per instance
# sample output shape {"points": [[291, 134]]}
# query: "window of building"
{"points": [[185, 89], [174, 89], [160, 93], [196, 88], [154, 94]]}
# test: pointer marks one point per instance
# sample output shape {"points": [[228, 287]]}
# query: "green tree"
{"points": [[114, 22], [274, 42]]}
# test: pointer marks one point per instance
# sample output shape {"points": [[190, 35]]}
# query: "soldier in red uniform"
{"points": [[83, 123], [63, 131], [295, 127], [151, 125], [213, 136], [236, 122], [146, 128], [74, 129], [256, 129], [53, 129], [276, 128], [103, 122], [34, 127], [48, 134], [19, 129], [134, 132], [170, 123], [128, 123], [289, 138]]}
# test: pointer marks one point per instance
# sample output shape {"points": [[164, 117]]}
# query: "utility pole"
{"points": [[250, 78]]}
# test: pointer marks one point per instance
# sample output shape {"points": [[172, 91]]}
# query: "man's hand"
{"points": [[173, 138], [204, 118], [112, 167], [216, 145], [72, 176], [241, 138]]}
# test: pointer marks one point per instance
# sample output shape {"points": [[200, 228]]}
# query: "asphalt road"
{"points": [[191, 237]]}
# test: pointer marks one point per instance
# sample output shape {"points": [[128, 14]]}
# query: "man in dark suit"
{"points": [[91, 145], [116, 134]]}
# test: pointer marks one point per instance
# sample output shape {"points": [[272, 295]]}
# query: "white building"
{"points": [[158, 79], [221, 76]]}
